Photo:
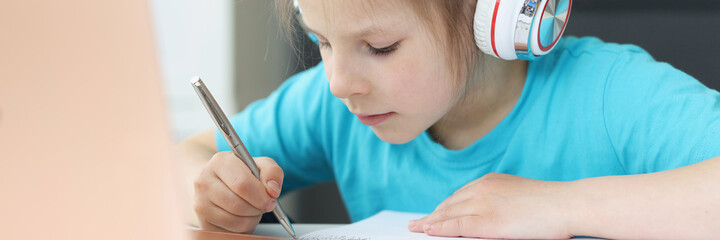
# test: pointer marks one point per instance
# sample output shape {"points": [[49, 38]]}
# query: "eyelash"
{"points": [[323, 44], [384, 51], [373, 51]]}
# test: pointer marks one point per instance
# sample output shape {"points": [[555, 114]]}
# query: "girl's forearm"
{"points": [[678, 203]]}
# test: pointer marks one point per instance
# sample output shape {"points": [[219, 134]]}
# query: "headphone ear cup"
{"points": [[525, 29], [548, 25], [482, 26], [494, 27]]}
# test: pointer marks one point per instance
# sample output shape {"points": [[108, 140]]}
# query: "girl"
{"points": [[406, 113]]}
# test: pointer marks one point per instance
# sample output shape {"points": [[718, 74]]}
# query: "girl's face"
{"points": [[384, 64]]}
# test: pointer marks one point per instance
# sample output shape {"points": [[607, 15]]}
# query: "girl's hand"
{"points": [[228, 197], [500, 206]]}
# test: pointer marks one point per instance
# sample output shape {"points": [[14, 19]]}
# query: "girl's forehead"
{"points": [[355, 18]]}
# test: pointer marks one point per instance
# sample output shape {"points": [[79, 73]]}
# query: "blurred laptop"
{"points": [[85, 146]]}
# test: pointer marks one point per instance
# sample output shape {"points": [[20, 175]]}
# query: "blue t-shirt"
{"points": [[587, 109]]}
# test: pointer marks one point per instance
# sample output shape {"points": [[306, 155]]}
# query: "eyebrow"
{"points": [[362, 33]]}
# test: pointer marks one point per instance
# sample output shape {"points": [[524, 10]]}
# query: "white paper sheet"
{"points": [[384, 225]]}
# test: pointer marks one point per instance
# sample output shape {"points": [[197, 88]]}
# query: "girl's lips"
{"points": [[372, 120]]}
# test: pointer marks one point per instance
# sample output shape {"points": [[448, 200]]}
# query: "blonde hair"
{"points": [[456, 17]]}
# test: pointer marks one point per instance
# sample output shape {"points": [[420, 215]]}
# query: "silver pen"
{"points": [[238, 148]]}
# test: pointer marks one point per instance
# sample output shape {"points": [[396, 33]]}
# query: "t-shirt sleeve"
{"points": [[658, 117], [285, 127]]}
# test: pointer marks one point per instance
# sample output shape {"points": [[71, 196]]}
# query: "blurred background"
{"points": [[238, 48]]}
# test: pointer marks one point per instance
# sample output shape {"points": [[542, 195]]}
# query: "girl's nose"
{"points": [[346, 79]]}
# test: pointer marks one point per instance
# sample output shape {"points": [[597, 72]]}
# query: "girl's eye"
{"points": [[322, 44], [384, 51]]}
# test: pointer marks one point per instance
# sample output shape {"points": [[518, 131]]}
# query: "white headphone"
{"points": [[512, 29]]}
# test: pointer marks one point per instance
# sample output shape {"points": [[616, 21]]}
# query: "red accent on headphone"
{"points": [[544, 48], [492, 28]]}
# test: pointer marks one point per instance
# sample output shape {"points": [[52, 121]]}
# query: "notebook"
{"points": [[385, 225], [85, 145]]}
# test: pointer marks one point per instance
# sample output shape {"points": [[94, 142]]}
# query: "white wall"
{"points": [[194, 38]]}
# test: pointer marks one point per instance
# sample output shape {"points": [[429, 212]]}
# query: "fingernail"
{"points": [[270, 206], [412, 223], [274, 186], [427, 227]]}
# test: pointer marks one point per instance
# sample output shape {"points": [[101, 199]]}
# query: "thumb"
{"points": [[271, 175]]}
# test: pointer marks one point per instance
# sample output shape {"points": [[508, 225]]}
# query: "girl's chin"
{"points": [[395, 136]]}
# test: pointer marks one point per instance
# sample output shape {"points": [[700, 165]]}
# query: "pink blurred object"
{"points": [[85, 144]]}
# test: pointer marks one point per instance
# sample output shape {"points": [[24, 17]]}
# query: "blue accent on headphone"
{"points": [[530, 56], [313, 37]]}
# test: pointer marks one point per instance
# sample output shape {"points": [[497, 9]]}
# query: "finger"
{"points": [[210, 227], [215, 217], [457, 197], [238, 178], [466, 226], [487, 185], [465, 208], [220, 195], [462, 194], [201, 208], [271, 175]]}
